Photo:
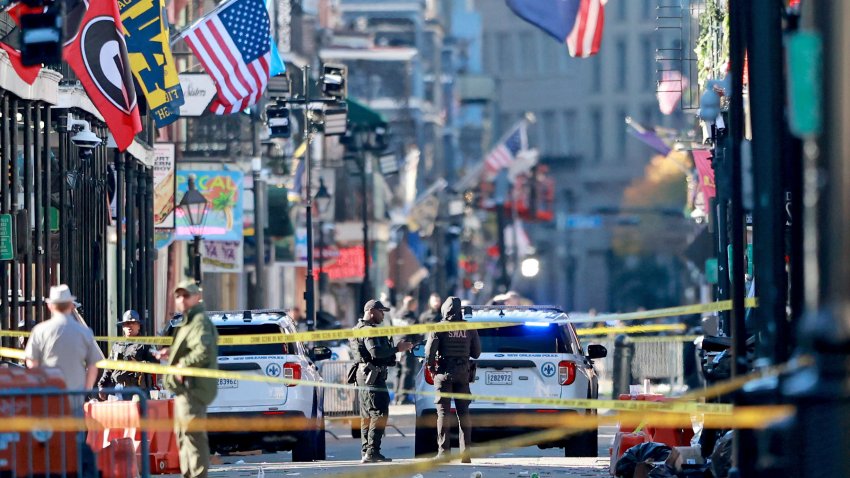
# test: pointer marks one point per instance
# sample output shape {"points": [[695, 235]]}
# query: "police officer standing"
{"points": [[195, 344], [447, 357], [132, 325], [374, 355]]}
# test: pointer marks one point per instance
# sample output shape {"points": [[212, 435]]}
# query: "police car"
{"points": [[246, 398], [536, 354]]}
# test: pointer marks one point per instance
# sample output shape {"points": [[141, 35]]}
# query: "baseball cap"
{"points": [[130, 316], [375, 304], [189, 286]]}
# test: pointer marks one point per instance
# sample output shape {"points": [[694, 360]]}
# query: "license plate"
{"points": [[228, 383], [499, 378]]}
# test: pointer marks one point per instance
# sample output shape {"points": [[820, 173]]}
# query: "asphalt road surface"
{"points": [[343, 456]]}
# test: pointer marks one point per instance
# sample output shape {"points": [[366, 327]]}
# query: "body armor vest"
{"points": [[454, 344]]}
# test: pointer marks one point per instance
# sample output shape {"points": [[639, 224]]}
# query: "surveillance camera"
{"points": [[84, 138]]}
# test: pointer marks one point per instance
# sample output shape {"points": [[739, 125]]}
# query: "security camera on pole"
{"points": [[331, 120]]}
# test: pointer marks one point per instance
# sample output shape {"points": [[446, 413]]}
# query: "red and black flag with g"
{"points": [[96, 51]]}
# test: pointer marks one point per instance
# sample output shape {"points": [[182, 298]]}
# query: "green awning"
{"points": [[361, 115]]}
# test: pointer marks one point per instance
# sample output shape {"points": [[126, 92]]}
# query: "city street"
{"points": [[344, 456]]}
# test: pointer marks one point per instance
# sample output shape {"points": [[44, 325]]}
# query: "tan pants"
{"points": [[194, 446]]}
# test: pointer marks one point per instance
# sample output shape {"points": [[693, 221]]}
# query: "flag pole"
{"points": [[186, 30]]}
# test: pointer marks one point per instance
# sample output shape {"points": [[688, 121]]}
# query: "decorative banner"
{"points": [[148, 47], [702, 159], [223, 190], [163, 185], [222, 256]]}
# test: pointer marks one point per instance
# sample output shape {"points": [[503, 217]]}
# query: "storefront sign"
{"points": [[222, 256], [198, 92], [223, 190], [164, 181], [7, 242]]}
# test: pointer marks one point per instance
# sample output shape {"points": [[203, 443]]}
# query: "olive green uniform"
{"points": [[374, 355], [447, 356], [195, 345]]}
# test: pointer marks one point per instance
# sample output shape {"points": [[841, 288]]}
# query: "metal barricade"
{"points": [[47, 432], [338, 402], [662, 363]]}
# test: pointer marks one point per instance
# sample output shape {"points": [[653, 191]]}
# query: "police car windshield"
{"points": [[523, 338], [252, 349]]}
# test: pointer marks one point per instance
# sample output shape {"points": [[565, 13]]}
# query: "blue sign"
{"points": [[548, 369], [273, 370], [580, 221]]}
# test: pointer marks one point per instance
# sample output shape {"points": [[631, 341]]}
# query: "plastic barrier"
{"points": [[120, 421]]}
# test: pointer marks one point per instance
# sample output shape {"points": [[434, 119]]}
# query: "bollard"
{"points": [[624, 352]]}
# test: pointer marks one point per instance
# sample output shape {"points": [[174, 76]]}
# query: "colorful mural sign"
{"points": [[223, 190]]}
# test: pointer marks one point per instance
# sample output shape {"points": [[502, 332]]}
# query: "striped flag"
{"points": [[586, 37], [232, 43], [578, 23], [504, 153]]}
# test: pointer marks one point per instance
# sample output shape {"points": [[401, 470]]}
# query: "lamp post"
{"points": [[195, 208], [323, 201]]}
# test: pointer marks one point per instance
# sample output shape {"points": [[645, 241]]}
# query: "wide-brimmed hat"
{"points": [[60, 294], [130, 316]]}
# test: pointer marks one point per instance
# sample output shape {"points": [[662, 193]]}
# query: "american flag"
{"points": [[503, 155], [586, 36], [233, 45]]}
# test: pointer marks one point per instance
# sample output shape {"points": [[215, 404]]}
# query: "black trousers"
{"points": [[455, 381]]}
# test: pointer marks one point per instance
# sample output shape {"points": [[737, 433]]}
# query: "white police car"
{"points": [[245, 398], [536, 355]]}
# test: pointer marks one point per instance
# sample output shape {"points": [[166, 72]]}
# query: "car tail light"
{"points": [[566, 372], [292, 371], [428, 377]]}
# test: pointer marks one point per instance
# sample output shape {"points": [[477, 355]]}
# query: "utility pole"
{"points": [[309, 293], [500, 195], [260, 206]]}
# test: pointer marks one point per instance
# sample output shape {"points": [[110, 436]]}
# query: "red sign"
{"points": [[348, 265]]}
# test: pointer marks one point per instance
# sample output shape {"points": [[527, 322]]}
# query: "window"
{"points": [[569, 132], [505, 53], [528, 53], [648, 62], [551, 133], [526, 339], [596, 75], [252, 349], [621, 65], [596, 126], [621, 134]]}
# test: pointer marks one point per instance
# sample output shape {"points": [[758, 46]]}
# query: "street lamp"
{"points": [[530, 267], [323, 202], [195, 208]]}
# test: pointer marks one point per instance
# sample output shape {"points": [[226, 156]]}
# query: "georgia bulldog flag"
{"points": [[98, 55]]}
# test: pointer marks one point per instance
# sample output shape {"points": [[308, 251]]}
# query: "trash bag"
{"points": [[650, 451], [662, 471], [721, 457]]}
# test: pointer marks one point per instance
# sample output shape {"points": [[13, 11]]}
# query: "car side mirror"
{"points": [[320, 353], [419, 350], [596, 351]]}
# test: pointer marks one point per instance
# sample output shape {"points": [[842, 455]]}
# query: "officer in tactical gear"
{"points": [[374, 355], [131, 324], [447, 356]]}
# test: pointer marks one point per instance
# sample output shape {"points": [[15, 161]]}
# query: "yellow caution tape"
{"points": [[751, 417], [635, 329], [14, 333], [16, 354], [718, 306], [621, 405]]}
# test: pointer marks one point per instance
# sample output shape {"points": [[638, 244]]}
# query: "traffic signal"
{"points": [[334, 80], [278, 120], [41, 36]]}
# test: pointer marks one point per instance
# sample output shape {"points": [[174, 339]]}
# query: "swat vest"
{"points": [[454, 344]]}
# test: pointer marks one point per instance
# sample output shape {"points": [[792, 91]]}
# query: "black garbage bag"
{"points": [[650, 451], [721, 457]]}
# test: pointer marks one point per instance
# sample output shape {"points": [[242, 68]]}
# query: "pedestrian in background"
{"points": [[432, 315], [447, 356], [131, 324], [63, 342], [374, 355], [195, 345], [406, 375]]}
